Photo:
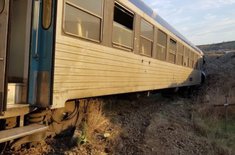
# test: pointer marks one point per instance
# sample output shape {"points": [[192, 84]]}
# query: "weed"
{"points": [[212, 126]]}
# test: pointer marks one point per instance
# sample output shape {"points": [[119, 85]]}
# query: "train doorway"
{"points": [[26, 41], [18, 48], [42, 53]]}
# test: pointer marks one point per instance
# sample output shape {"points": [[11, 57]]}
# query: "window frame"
{"points": [[148, 39], [3, 7], [200, 62], [180, 54], [191, 58], [67, 2], [51, 10], [162, 46], [170, 50], [118, 45], [196, 60], [186, 49]]}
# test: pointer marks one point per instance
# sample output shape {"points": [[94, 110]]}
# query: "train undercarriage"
{"points": [[24, 124]]}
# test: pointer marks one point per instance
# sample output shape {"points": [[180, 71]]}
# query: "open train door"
{"points": [[4, 14]]}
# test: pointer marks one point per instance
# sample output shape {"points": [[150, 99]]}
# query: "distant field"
{"points": [[219, 47]]}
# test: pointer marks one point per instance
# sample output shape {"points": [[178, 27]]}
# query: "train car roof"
{"points": [[149, 11]]}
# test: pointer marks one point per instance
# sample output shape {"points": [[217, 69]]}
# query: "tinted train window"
{"points": [[172, 51], [84, 18], [146, 38], [2, 5], [200, 62], [94, 6], [123, 27], [47, 13], [196, 58], [186, 57], [161, 45], [191, 59], [180, 55]]}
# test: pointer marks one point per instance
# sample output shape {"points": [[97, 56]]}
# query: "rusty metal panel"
{"points": [[42, 90]]}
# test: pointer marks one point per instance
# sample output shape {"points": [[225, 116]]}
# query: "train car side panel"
{"points": [[88, 69], [92, 70]]}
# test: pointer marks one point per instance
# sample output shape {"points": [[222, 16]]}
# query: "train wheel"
{"points": [[64, 120]]}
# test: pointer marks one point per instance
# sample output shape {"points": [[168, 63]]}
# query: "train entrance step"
{"points": [[15, 133]]}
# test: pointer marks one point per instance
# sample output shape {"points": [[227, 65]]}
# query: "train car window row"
{"points": [[84, 19], [146, 38], [123, 22]]}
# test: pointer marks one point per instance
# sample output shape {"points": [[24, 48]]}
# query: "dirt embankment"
{"points": [[219, 47], [220, 83], [156, 124]]}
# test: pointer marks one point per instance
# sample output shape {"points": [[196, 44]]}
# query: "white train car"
{"points": [[116, 47], [52, 52]]}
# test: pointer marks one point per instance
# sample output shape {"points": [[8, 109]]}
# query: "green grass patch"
{"points": [[217, 131]]}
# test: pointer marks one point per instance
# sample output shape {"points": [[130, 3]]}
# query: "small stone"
{"points": [[107, 135], [103, 153], [207, 98]]}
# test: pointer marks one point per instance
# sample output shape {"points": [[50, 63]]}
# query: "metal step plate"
{"points": [[14, 110], [15, 133]]}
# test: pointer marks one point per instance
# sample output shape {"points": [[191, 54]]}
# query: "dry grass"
{"points": [[209, 121], [96, 130]]}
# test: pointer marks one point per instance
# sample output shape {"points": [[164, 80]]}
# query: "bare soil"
{"points": [[154, 125]]}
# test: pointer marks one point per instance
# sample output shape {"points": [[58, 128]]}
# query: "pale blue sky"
{"points": [[200, 21]]}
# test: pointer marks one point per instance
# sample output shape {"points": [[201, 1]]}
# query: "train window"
{"points": [[84, 18], [186, 57], [172, 51], [123, 27], [200, 62], [180, 55], [93, 6], [191, 59], [161, 45], [2, 5], [196, 58], [146, 38], [47, 13]]}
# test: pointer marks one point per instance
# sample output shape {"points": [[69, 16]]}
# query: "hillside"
{"points": [[224, 46]]}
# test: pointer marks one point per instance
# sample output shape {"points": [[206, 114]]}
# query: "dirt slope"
{"points": [[151, 126]]}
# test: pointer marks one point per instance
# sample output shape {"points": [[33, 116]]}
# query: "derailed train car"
{"points": [[53, 53]]}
